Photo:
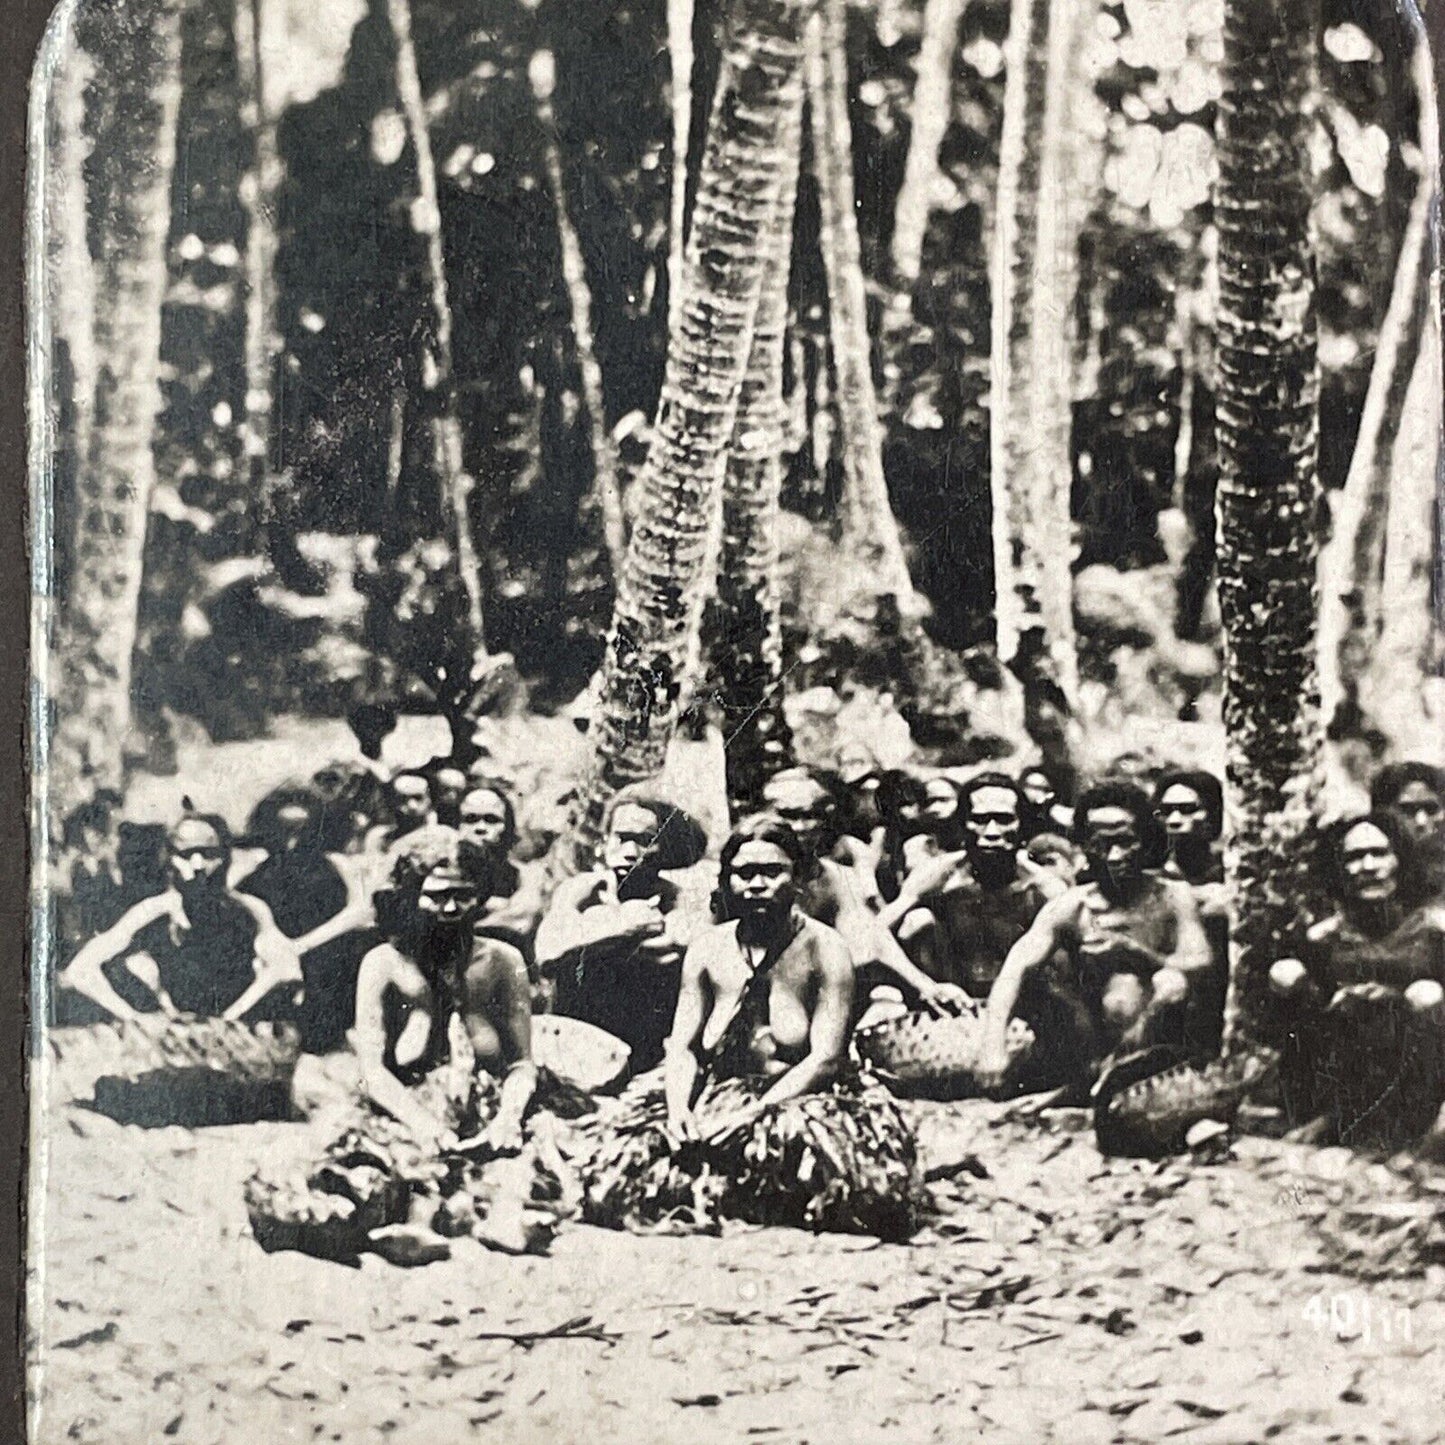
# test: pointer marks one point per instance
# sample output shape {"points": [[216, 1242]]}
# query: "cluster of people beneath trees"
{"points": [[391, 919]]}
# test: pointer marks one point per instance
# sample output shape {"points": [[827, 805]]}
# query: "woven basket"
{"points": [[928, 1057], [1146, 1104]]}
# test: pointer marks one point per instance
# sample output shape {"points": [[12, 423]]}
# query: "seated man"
{"points": [[845, 896], [1366, 1003], [612, 939], [448, 785], [960, 924], [198, 947], [1133, 944], [509, 901], [410, 801], [1415, 794]]}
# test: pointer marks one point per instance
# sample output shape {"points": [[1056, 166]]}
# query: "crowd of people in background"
{"points": [[394, 920]]}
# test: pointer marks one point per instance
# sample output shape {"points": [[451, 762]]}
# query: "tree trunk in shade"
{"points": [[725, 264], [744, 626], [1267, 418], [1353, 612], [134, 157], [870, 531], [542, 74], [680, 54], [1031, 406]]}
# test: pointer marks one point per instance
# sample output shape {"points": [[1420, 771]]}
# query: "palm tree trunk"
{"points": [[135, 147], [437, 378], [870, 531], [542, 74], [1267, 418], [680, 54], [1031, 392], [1352, 611], [746, 633], [71, 299], [928, 116], [726, 259], [260, 189]]}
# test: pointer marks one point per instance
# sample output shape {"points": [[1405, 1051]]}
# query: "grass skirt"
{"points": [[373, 1175], [841, 1161]]}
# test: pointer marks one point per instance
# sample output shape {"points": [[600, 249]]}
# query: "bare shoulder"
{"points": [[495, 964], [386, 967], [825, 947], [1324, 930], [1178, 894], [573, 894]]}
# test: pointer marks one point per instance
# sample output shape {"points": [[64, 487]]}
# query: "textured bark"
{"points": [[579, 295], [928, 114], [870, 531], [725, 262], [438, 383], [135, 146], [259, 191], [746, 633], [1031, 392], [1267, 419], [72, 298], [680, 55], [1352, 564]]}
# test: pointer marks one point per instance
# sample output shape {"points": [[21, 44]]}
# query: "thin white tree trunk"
{"points": [[260, 189], [928, 115], [758, 85], [542, 74], [870, 530], [680, 55], [1031, 391], [1352, 604], [136, 140], [437, 376]]}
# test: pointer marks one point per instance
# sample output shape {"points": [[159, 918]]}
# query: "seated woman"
{"points": [[441, 1070], [1130, 943], [612, 939], [319, 902], [1365, 1005], [1415, 793], [197, 948], [759, 1115]]}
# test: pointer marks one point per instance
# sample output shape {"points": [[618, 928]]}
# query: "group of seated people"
{"points": [[385, 913]]}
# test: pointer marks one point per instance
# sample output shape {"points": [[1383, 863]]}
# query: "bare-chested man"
{"points": [[509, 900], [1133, 941], [842, 895], [199, 948]]}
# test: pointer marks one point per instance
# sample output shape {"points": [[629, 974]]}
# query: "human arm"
{"points": [[869, 941], [85, 973], [1047, 933], [277, 961], [498, 997], [381, 971], [354, 915], [1191, 952], [680, 1062], [570, 927], [921, 883]]}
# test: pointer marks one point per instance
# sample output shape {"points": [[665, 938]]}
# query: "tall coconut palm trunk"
{"points": [[437, 378], [1267, 418], [1352, 564], [1031, 391], [870, 531], [542, 73], [928, 115], [726, 259], [747, 639], [134, 155], [681, 59]]}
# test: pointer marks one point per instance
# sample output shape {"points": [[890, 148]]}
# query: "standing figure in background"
{"points": [[1415, 794], [1133, 941], [845, 896], [612, 940], [197, 948]]}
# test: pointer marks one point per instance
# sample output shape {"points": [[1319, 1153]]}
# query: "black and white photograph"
{"points": [[737, 723]]}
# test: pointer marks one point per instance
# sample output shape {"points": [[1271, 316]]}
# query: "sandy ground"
{"points": [[1061, 1296]]}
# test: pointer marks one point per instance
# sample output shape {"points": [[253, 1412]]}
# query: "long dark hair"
{"points": [[759, 828], [1410, 882], [1209, 790], [1133, 800]]}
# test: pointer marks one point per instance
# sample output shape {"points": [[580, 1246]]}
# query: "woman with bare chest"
{"points": [[760, 1115]]}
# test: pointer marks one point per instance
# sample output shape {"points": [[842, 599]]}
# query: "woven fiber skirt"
{"points": [[844, 1160]]}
